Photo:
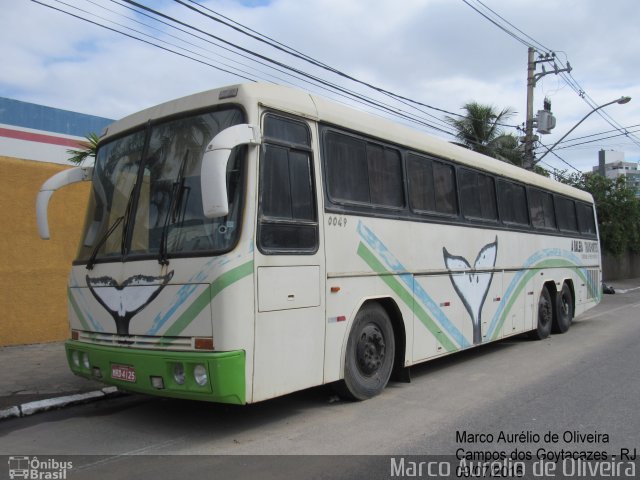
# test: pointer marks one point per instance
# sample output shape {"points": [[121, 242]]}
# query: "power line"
{"points": [[273, 61], [294, 73], [142, 40], [182, 39], [254, 34], [519, 38], [308, 78], [501, 27], [156, 38], [250, 54], [306, 58], [559, 157], [599, 133], [573, 83], [545, 49], [286, 49], [218, 45], [529, 41], [596, 140], [232, 51], [573, 142]]}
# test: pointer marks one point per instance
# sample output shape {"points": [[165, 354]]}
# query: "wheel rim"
{"points": [[566, 308], [546, 314], [370, 350]]}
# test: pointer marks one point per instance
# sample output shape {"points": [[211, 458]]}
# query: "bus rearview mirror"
{"points": [[59, 180], [213, 176]]}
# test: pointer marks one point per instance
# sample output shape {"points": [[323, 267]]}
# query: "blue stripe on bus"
{"points": [[397, 268]]}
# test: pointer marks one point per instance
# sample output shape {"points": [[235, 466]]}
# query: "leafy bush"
{"points": [[617, 207]]}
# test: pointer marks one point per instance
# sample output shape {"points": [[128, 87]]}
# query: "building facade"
{"points": [[612, 165], [33, 273]]}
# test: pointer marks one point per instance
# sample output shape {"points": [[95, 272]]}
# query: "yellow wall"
{"points": [[33, 272]]}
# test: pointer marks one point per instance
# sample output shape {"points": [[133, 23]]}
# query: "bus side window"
{"points": [[362, 172], [432, 186], [287, 219], [586, 220], [541, 209], [477, 195], [566, 213], [512, 201]]}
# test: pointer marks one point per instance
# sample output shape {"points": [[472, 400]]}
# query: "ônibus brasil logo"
{"points": [[34, 469]]}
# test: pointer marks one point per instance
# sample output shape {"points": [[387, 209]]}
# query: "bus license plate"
{"points": [[123, 372]]}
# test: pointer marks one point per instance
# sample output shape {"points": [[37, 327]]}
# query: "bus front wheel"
{"points": [[370, 353], [545, 316]]}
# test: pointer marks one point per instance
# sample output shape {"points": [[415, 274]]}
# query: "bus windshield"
{"points": [[146, 197]]}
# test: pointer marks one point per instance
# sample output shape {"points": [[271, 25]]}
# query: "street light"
{"points": [[621, 101]]}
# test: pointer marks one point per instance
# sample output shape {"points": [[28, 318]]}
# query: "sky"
{"points": [[442, 53]]}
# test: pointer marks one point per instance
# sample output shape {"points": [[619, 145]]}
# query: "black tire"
{"points": [[545, 316], [563, 313], [370, 353]]}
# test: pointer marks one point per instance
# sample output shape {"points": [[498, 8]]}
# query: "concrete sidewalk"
{"points": [[37, 378]]}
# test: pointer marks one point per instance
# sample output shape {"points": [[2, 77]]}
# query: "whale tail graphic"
{"points": [[125, 300], [472, 284]]}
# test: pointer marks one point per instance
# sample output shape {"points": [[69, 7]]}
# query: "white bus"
{"points": [[255, 240]]}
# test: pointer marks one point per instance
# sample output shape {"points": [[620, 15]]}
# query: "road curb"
{"points": [[29, 408]]}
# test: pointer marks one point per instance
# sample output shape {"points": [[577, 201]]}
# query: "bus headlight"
{"points": [[75, 356], [85, 360], [200, 375], [178, 373]]}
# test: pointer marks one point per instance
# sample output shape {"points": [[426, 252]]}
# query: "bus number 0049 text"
{"points": [[337, 221]]}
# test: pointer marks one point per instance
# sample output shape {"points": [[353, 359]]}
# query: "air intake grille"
{"points": [[138, 341]]}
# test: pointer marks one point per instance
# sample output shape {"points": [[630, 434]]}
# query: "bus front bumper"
{"points": [[208, 376]]}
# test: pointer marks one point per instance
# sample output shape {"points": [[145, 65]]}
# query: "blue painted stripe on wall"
{"points": [[39, 117]]}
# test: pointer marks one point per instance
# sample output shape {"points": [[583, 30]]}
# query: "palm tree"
{"points": [[88, 150], [507, 147], [480, 131]]}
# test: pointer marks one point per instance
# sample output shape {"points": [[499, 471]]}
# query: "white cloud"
{"points": [[437, 51]]}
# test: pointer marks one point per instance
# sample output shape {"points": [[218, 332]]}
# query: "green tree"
{"points": [[617, 207], [88, 149], [480, 130]]}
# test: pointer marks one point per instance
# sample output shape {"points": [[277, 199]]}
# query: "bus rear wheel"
{"points": [[370, 353], [545, 316], [563, 311]]}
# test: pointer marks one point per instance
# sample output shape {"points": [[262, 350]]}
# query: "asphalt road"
{"points": [[585, 381]]}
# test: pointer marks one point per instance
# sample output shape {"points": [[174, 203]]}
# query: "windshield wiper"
{"points": [[94, 253], [177, 193]]}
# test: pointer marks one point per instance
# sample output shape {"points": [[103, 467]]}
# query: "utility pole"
{"points": [[532, 79], [528, 128]]}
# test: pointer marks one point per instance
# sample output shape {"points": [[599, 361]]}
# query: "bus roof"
{"points": [[286, 99]]}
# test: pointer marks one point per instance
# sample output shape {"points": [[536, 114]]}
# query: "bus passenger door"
{"points": [[289, 263]]}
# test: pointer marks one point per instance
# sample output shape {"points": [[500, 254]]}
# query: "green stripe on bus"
{"points": [[76, 309], [552, 263], [388, 278], [200, 303], [232, 276]]}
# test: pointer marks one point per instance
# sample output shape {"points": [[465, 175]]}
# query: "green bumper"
{"points": [[225, 371]]}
